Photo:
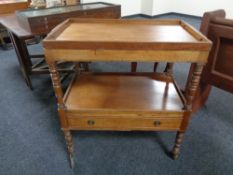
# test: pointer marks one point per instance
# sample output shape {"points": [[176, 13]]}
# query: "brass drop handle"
{"points": [[91, 122], [157, 123]]}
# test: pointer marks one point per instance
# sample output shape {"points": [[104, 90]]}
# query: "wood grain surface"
{"points": [[126, 101], [120, 92], [106, 34]]}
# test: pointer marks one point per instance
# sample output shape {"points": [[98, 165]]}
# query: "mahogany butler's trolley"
{"points": [[125, 101]]}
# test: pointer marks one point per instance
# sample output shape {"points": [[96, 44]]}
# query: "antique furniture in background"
{"points": [[19, 34], [72, 2], [36, 4], [125, 101], [4, 38], [52, 3], [44, 20], [219, 69], [9, 6]]}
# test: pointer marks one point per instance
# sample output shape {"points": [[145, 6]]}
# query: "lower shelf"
{"points": [[117, 101]]}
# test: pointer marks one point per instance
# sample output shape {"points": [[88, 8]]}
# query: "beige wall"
{"points": [[147, 7], [128, 7], [198, 7], [192, 7]]}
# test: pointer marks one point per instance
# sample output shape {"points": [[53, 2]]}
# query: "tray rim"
{"points": [[202, 43]]}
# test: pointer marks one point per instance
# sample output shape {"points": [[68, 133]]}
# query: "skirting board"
{"points": [[164, 14]]}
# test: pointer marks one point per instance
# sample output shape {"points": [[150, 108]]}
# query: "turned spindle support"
{"points": [[190, 92], [70, 147], [169, 68], [192, 85], [62, 109], [176, 148], [155, 66], [134, 66]]}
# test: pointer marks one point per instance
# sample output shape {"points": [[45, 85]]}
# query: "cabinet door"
{"points": [[219, 70]]}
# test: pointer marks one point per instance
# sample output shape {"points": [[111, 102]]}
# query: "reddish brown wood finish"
{"points": [[126, 101], [76, 33]]}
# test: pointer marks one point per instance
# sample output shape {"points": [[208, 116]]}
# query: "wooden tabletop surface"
{"points": [[10, 6], [126, 34], [11, 23], [121, 32]]}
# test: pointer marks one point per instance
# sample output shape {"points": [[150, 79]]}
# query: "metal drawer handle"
{"points": [[157, 123], [91, 122]]}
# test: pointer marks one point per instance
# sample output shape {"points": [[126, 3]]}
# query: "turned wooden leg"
{"points": [[84, 66], [23, 58], [169, 68], [134, 66], [201, 96], [61, 109], [176, 148], [155, 66], [70, 147]]}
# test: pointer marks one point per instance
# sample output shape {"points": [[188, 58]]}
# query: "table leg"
{"points": [[190, 91], [70, 147], [201, 96], [134, 66], [176, 149], [155, 66], [23, 57], [169, 68], [202, 92], [84, 66], [192, 85], [62, 109]]}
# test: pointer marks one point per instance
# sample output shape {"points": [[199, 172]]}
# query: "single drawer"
{"points": [[124, 123]]}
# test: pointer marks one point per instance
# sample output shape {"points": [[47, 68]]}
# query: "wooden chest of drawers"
{"points": [[44, 20]]}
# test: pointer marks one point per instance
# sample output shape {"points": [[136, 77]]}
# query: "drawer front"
{"points": [[47, 23], [110, 12], [124, 124]]}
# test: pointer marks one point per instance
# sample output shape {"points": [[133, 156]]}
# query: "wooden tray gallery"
{"points": [[103, 37], [125, 101]]}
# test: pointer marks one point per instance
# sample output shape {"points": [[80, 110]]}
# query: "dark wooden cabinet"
{"points": [[19, 33], [219, 69], [44, 20]]}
